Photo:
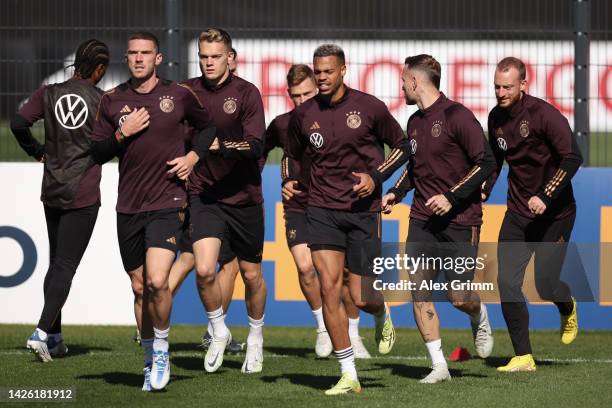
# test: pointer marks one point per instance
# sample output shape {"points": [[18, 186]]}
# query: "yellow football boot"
{"points": [[569, 326], [519, 363], [344, 386]]}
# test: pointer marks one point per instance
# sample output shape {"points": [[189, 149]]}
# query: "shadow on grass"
{"points": [[501, 361], [318, 382], [75, 350], [123, 378], [197, 363], [290, 351], [418, 373], [195, 347]]}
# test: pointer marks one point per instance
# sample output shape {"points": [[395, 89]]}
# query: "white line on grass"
{"points": [[274, 355]]}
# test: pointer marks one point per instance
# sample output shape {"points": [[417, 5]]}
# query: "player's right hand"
{"points": [[365, 186], [388, 201], [290, 189], [181, 167], [136, 121]]}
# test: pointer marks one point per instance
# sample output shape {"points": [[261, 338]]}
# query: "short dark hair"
{"points": [[217, 35], [512, 62], [328, 50], [89, 56], [427, 64], [298, 73], [234, 52], [145, 35]]}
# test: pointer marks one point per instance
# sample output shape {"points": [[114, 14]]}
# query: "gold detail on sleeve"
{"points": [[394, 156], [285, 168], [554, 182], [237, 145], [467, 178], [101, 99], [401, 179], [187, 87]]}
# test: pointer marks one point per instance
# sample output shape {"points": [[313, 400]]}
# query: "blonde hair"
{"points": [[216, 35]]}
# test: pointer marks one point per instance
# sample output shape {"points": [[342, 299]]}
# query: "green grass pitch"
{"points": [[104, 366]]}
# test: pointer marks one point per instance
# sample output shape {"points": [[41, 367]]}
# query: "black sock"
{"points": [[565, 308]]}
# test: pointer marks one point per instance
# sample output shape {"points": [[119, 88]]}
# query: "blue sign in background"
{"points": [[591, 189]]}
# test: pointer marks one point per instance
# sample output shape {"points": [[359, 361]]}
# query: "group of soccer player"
{"points": [[190, 162]]}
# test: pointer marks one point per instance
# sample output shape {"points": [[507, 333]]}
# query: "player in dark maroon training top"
{"points": [[342, 131], [141, 122], [71, 181], [225, 196], [301, 86], [450, 160], [228, 262], [543, 156]]}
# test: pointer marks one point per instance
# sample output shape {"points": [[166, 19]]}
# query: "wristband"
{"points": [[119, 135]]}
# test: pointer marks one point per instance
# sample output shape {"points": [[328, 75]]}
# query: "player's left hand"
{"points": [[439, 204], [365, 186], [387, 203], [536, 205], [181, 167]]}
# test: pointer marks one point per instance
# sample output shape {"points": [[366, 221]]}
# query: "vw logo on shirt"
{"points": [[71, 111], [501, 142], [316, 139]]}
